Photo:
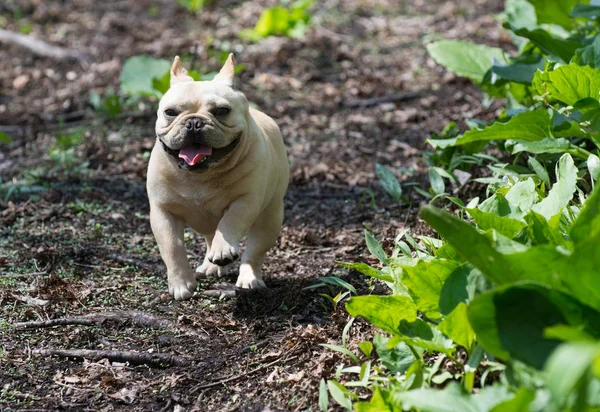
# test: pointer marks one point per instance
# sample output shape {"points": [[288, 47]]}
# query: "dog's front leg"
{"points": [[168, 231], [234, 224]]}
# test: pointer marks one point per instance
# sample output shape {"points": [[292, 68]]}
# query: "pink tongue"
{"points": [[191, 154]]}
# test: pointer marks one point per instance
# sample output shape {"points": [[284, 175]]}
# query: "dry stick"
{"points": [[241, 375], [134, 318], [42, 48], [132, 357]]}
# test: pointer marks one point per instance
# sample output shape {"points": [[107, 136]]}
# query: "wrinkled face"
{"points": [[200, 123]]}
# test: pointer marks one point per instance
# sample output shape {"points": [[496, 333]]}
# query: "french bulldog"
{"points": [[220, 167]]}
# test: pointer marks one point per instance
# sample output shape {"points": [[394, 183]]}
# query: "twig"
{"points": [[134, 318], [391, 98], [42, 48], [132, 357], [241, 375], [31, 301], [131, 260]]}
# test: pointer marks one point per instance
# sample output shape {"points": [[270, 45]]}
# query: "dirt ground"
{"points": [[82, 244]]}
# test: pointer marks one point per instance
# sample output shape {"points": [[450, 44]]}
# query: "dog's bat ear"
{"points": [[227, 71], [178, 72]]}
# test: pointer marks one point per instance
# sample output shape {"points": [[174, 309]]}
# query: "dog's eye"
{"points": [[171, 113], [221, 111]]}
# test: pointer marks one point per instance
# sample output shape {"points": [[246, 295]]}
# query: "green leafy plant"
{"points": [[289, 21], [503, 312]]}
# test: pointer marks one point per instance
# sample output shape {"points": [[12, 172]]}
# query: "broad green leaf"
{"points": [[568, 333], [497, 204], [587, 225], [581, 273], [139, 73], [420, 333], [520, 13], [593, 164], [517, 72], [521, 197], [459, 287], [562, 191], [377, 403], [451, 399], [482, 318], [4, 138], [547, 145], [540, 232], [504, 225], [464, 58], [586, 11], [367, 270], [456, 326], [520, 403], [273, 20], [569, 84], [539, 170], [590, 54], [425, 281], [385, 312], [437, 182], [563, 48], [512, 320], [555, 11], [473, 246], [529, 126], [389, 182], [323, 396], [339, 394], [568, 365], [375, 247], [396, 359], [366, 347]]}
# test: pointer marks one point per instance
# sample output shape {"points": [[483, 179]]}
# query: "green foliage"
{"points": [[193, 5], [4, 138], [289, 21], [512, 285], [139, 74]]}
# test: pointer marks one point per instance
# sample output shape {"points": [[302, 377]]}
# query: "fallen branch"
{"points": [[133, 318], [31, 301], [392, 98], [131, 357], [241, 375], [8, 275], [42, 48]]}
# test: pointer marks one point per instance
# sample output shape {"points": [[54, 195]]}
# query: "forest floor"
{"points": [[82, 245]]}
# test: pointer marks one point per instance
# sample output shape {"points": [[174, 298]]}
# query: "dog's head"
{"points": [[201, 123]]}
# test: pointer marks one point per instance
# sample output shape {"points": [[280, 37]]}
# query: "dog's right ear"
{"points": [[178, 73]]}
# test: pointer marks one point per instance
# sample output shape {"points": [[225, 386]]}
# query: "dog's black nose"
{"points": [[194, 125]]}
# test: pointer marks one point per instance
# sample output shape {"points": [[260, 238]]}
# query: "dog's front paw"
{"points": [[223, 252], [182, 288], [210, 269]]}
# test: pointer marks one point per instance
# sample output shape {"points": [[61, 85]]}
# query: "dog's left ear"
{"points": [[227, 71], [179, 73]]}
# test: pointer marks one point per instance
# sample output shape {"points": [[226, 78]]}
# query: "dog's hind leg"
{"points": [[261, 237]]}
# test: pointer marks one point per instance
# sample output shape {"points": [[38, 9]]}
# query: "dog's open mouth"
{"points": [[196, 157]]}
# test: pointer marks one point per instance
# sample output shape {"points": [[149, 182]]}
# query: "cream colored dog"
{"points": [[220, 167]]}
